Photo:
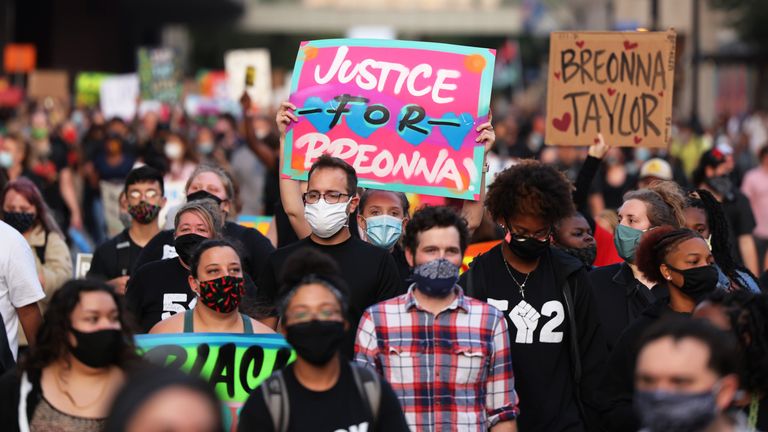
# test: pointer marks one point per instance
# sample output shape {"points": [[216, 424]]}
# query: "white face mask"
{"points": [[173, 150], [326, 219]]}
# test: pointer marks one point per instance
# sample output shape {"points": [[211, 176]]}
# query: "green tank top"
{"points": [[189, 325]]}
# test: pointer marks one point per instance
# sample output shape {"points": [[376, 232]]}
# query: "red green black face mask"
{"points": [[222, 294], [144, 212]]}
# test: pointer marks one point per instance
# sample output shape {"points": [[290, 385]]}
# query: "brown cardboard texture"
{"points": [[615, 83]]}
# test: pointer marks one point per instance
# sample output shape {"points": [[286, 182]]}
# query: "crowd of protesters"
{"points": [[625, 290]]}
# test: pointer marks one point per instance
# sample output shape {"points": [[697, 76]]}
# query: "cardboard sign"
{"points": [[88, 87], [48, 83], [402, 113], [160, 74], [19, 58], [615, 83], [237, 63], [234, 364], [118, 96]]}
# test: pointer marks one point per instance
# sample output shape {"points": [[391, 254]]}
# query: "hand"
{"points": [[487, 136], [599, 150], [525, 318], [119, 283], [76, 221], [285, 116], [245, 102]]}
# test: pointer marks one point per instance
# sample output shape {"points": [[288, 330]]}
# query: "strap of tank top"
{"points": [[189, 324], [247, 326]]}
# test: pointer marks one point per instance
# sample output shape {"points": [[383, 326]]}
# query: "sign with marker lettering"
{"points": [[234, 364], [403, 114], [615, 83]]}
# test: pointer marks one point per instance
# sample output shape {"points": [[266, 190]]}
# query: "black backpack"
{"points": [[275, 395]]}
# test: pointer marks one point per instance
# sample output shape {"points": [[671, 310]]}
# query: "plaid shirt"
{"points": [[452, 371]]}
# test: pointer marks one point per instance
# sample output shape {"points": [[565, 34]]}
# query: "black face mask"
{"points": [[722, 185], [586, 255], [22, 222], [698, 282], [97, 349], [527, 248], [201, 195], [186, 245], [316, 341]]}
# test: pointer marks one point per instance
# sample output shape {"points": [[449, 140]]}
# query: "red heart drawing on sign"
{"points": [[611, 91], [562, 123], [661, 94], [580, 44], [557, 75], [637, 139], [628, 45]]}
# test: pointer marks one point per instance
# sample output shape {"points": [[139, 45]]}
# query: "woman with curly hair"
{"points": [[746, 316], [680, 259], [546, 295], [622, 292], [704, 214], [83, 351]]}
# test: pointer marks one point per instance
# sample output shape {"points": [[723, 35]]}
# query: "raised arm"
{"points": [[262, 151], [473, 211], [290, 189]]}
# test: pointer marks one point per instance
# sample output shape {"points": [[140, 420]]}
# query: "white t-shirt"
{"points": [[19, 284]]}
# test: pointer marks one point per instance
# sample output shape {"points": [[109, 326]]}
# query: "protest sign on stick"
{"points": [[237, 63], [160, 74], [403, 114], [49, 83], [615, 83]]}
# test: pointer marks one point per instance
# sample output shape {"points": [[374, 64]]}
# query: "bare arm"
{"points": [[505, 426], [290, 190], [67, 190], [473, 211], [262, 151], [749, 253], [30, 319]]}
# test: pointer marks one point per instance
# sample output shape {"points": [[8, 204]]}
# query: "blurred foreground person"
{"points": [[165, 400], [70, 377], [686, 378]]}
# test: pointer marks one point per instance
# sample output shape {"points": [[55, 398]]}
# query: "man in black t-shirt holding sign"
{"points": [[556, 340]]}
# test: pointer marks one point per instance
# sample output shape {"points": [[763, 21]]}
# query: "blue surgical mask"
{"points": [[626, 240], [6, 159], [383, 231], [436, 278]]}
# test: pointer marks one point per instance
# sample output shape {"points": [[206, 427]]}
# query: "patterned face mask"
{"points": [[144, 212], [222, 294]]}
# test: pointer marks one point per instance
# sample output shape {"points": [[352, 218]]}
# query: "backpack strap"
{"points": [[275, 395], [368, 384], [123, 251]]}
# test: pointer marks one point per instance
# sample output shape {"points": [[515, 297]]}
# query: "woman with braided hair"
{"points": [[704, 214], [745, 315], [680, 259]]}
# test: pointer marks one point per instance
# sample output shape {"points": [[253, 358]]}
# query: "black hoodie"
{"points": [[557, 370], [619, 383]]}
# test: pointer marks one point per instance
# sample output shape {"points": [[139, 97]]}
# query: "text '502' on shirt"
{"points": [[157, 291], [452, 371]]}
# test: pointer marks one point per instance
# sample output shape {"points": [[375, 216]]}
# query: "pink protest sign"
{"points": [[403, 114]]}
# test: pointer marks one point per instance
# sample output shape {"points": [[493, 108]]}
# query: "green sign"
{"points": [[87, 88], [235, 364]]}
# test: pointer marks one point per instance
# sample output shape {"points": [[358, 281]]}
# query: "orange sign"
{"points": [[19, 58]]}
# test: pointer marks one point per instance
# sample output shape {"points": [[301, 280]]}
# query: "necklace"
{"points": [[521, 286], [60, 381]]}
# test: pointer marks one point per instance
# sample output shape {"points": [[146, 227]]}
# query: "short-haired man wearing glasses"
{"points": [[369, 271]]}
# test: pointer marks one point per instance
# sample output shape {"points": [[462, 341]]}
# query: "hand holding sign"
{"points": [[618, 84]]}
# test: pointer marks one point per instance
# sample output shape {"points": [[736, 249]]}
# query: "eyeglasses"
{"points": [[148, 194], [540, 235], [321, 315], [331, 197]]}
